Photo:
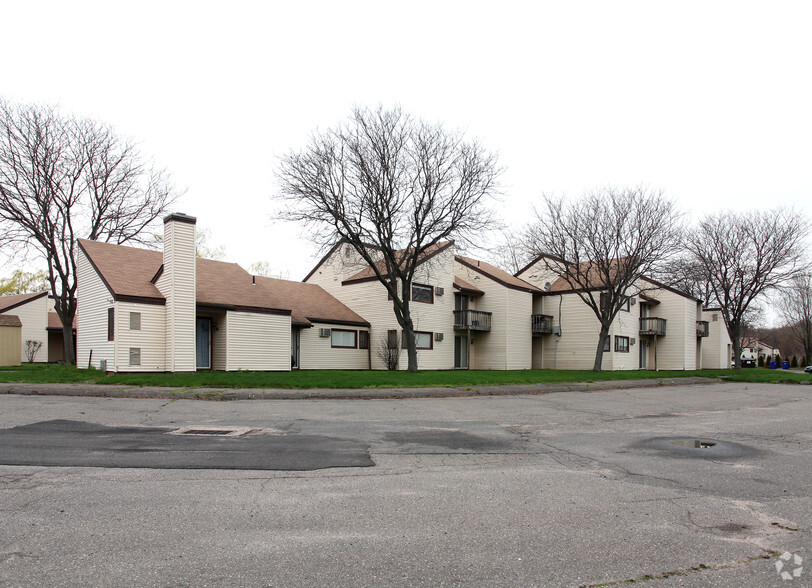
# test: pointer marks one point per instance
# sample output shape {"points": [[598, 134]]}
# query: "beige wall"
{"points": [[91, 317], [716, 348], [150, 338], [677, 349], [258, 341], [34, 317], [371, 301], [317, 353], [178, 286], [10, 345]]}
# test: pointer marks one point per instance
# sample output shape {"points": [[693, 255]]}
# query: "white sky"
{"points": [[710, 101]]}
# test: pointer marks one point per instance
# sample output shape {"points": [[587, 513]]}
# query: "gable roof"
{"points": [[15, 300], [368, 273], [464, 286], [496, 274], [10, 320], [129, 274]]}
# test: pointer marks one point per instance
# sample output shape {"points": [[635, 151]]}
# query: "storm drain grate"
{"points": [[212, 431]]}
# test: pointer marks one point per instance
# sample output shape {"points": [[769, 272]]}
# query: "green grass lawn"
{"points": [[38, 373]]}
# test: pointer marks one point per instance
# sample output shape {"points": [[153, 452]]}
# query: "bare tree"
{"points": [[509, 253], [795, 305], [603, 243], [686, 275], [63, 178], [393, 188], [744, 255], [388, 351], [31, 350]]}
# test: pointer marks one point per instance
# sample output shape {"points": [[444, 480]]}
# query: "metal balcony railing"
{"points": [[702, 328], [652, 326], [541, 324], [475, 320]]}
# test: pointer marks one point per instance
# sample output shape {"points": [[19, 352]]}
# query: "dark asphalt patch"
{"points": [[81, 444], [450, 440], [696, 447]]}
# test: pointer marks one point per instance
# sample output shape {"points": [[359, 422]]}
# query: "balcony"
{"points": [[542, 324], [652, 326], [702, 328], [473, 320]]}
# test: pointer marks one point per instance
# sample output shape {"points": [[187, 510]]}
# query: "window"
{"points": [[392, 339], [422, 339], [343, 338], [111, 322], [621, 344], [624, 305], [135, 356], [135, 321], [714, 317], [363, 339], [421, 293], [606, 344]]}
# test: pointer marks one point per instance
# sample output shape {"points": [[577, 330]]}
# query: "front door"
{"points": [[460, 352], [203, 343]]}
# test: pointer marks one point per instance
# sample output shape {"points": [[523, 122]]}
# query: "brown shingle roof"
{"points": [[461, 284], [55, 324], [128, 272], [10, 320], [308, 302], [496, 274], [368, 274], [15, 300]]}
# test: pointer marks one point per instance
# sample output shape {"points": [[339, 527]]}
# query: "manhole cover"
{"points": [[212, 431]]}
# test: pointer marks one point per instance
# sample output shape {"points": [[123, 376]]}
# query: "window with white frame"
{"points": [[135, 356]]}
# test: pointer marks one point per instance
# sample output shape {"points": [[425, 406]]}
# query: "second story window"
{"points": [[422, 293]]}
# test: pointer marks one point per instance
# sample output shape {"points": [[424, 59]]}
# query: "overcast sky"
{"points": [[710, 101]]}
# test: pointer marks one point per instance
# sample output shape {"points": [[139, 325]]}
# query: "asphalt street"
{"points": [[704, 485]]}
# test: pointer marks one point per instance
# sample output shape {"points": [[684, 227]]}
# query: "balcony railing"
{"points": [[542, 324], [475, 320], [652, 326], [702, 328]]}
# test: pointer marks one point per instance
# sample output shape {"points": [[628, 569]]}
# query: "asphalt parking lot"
{"points": [[704, 485]]}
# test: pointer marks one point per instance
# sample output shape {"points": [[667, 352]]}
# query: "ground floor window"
{"points": [[135, 356], [422, 339], [621, 344], [606, 344], [343, 338], [363, 339]]}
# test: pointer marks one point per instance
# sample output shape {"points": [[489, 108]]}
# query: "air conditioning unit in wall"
{"points": [[439, 292], [633, 301], [632, 341], [438, 336], [324, 332]]}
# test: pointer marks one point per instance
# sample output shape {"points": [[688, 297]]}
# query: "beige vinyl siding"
{"points": [[519, 334], [716, 348], [508, 345], [371, 301], [10, 345], [180, 293], [342, 264], [316, 352], [677, 349], [219, 339], [150, 339], [34, 317], [579, 335], [258, 342], [91, 317], [626, 324]]}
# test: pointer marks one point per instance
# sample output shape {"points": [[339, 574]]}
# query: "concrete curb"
{"points": [[113, 391]]}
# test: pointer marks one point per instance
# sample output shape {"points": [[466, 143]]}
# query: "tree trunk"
{"points": [[735, 339], [599, 352], [70, 351], [411, 345]]}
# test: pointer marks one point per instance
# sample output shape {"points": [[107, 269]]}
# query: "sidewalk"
{"points": [[113, 391]]}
